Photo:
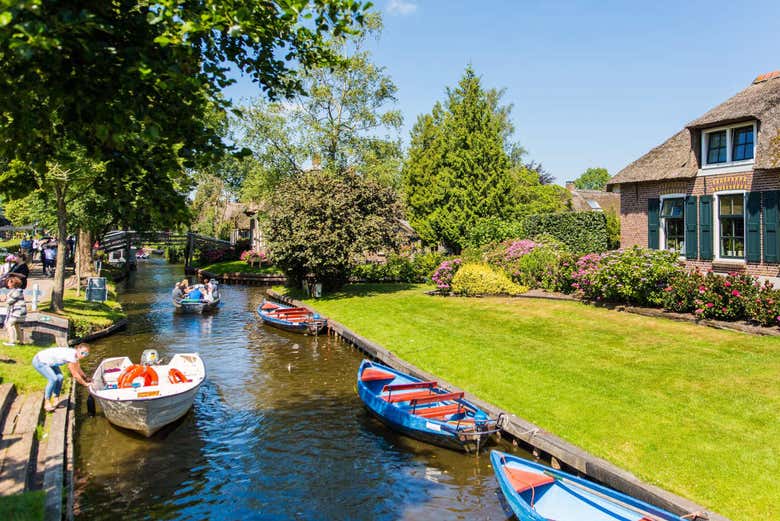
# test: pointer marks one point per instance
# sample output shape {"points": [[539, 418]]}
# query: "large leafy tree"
{"points": [[463, 167], [131, 83], [592, 179], [321, 223], [343, 120]]}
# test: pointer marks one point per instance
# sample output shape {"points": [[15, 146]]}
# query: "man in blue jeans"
{"points": [[48, 362]]}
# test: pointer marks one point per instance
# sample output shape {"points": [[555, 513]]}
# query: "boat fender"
{"points": [[177, 377]]}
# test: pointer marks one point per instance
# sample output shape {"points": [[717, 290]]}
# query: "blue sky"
{"points": [[592, 83]]}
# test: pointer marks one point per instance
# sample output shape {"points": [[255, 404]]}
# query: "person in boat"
{"points": [[48, 362], [195, 294], [208, 290], [177, 293]]}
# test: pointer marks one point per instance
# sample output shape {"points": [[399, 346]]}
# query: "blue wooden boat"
{"points": [[422, 409], [539, 493], [289, 318]]}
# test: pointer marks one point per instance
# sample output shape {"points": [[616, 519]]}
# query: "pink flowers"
{"points": [[735, 293], [710, 305], [517, 249], [443, 275]]}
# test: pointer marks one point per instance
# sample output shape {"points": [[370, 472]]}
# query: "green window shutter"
{"points": [[771, 217], [705, 227], [653, 223], [753, 227], [691, 228]]}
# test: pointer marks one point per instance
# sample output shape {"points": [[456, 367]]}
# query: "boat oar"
{"points": [[649, 516]]}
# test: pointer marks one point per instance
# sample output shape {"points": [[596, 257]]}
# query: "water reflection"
{"points": [[277, 431]]}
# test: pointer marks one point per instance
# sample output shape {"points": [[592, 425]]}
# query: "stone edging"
{"points": [[110, 330], [245, 278], [58, 471], [530, 434]]}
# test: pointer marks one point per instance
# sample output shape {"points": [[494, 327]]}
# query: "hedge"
{"points": [[581, 232]]}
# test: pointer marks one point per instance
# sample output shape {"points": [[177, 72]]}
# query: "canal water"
{"points": [[277, 431]]}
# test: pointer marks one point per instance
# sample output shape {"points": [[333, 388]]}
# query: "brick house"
{"points": [[712, 191]]}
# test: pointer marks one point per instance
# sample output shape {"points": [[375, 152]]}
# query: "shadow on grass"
{"points": [[363, 289]]}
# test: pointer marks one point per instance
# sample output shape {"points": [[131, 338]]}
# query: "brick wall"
{"points": [[633, 209]]}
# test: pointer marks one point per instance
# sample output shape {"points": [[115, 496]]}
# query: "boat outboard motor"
{"points": [[150, 357]]}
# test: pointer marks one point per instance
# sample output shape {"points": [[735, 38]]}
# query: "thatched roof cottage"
{"points": [[712, 191]]}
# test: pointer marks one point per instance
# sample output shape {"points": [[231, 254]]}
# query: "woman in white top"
{"points": [[48, 362]]}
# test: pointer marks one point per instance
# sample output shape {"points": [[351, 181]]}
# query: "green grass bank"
{"points": [[29, 506], [688, 408]]}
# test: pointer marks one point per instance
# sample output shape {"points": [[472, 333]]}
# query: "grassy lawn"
{"points": [[691, 409], [87, 317], [11, 244], [22, 507], [239, 267], [19, 370]]}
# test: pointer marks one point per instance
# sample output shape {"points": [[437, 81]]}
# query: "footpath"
{"points": [[35, 447]]}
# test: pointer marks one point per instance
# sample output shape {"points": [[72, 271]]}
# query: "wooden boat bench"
{"points": [[407, 397], [440, 412]]}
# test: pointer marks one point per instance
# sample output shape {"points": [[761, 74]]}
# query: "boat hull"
{"points": [[312, 326], [147, 416], [435, 432], [545, 493]]}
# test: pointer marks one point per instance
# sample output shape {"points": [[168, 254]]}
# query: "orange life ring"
{"points": [[177, 377], [134, 371]]}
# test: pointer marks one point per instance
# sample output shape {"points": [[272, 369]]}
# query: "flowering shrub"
{"points": [[480, 279], [681, 293], [724, 298], [444, 274], [634, 276], [212, 256], [252, 257], [764, 307]]}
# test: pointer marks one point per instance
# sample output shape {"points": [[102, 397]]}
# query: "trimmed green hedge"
{"points": [[581, 232]]}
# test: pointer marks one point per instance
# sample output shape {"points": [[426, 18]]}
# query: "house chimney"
{"points": [[570, 186]]}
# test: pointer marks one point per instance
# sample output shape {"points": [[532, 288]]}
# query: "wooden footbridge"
{"points": [[190, 241]]}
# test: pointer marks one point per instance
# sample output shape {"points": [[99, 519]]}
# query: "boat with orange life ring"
{"points": [[148, 396]]}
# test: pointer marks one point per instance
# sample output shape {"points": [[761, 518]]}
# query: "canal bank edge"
{"points": [[248, 279], [531, 435], [58, 464]]}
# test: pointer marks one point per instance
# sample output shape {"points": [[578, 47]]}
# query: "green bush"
{"points": [[491, 230], [480, 279], [581, 232], [398, 268], [763, 308]]}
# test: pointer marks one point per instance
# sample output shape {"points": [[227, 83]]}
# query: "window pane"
{"points": [[731, 204], [672, 208], [675, 235], [743, 144], [716, 147]]}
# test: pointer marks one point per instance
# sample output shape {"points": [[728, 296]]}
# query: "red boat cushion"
{"points": [[522, 480], [438, 412], [371, 375], [405, 397], [268, 306]]}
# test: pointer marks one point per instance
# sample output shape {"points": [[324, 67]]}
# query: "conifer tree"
{"points": [[458, 171]]}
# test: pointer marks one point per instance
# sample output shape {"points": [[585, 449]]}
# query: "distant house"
{"points": [[243, 219], [711, 192], [592, 200]]}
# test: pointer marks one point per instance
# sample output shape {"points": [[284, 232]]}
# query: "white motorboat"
{"points": [[146, 397]]}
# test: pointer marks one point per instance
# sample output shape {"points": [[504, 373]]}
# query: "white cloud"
{"points": [[402, 7]]}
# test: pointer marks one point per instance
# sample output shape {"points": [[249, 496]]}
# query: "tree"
{"points": [[321, 223], [463, 168], [592, 179], [133, 82], [343, 120]]}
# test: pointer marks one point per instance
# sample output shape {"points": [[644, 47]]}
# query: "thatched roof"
{"points": [[677, 158], [593, 200]]}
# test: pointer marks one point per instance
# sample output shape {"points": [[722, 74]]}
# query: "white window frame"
{"points": [[729, 166], [716, 226], [662, 223]]}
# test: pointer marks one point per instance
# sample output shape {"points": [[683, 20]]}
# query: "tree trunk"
{"points": [[58, 291], [83, 255]]}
